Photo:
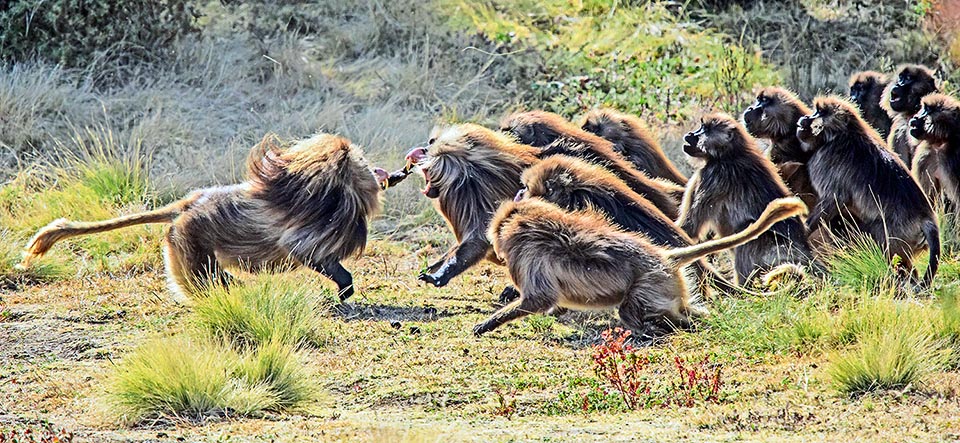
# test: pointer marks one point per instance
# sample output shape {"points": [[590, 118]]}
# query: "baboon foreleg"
{"points": [[468, 253], [522, 307], [826, 209], [333, 270]]}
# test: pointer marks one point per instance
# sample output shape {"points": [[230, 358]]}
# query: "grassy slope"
{"points": [[61, 336]]}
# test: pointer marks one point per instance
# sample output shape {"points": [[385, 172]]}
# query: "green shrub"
{"points": [[78, 33]]}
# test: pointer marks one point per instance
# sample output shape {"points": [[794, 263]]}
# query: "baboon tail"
{"points": [[777, 210], [932, 234], [62, 228]]}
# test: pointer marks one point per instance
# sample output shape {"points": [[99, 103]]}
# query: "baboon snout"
{"points": [[917, 129], [381, 174], [691, 139]]}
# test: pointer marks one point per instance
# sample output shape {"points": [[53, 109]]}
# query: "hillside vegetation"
{"points": [[99, 122]]}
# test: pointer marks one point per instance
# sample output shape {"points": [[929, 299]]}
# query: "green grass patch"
{"points": [[269, 309], [894, 358], [859, 264]]}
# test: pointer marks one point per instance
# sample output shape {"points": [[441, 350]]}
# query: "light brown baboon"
{"points": [[936, 164], [579, 260], [866, 90], [307, 204], [556, 136], [853, 171], [733, 185], [575, 185], [902, 99], [632, 139], [469, 170], [774, 116]]}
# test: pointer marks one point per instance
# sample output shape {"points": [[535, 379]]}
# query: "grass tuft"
{"points": [[893, 358], [859, 264]]}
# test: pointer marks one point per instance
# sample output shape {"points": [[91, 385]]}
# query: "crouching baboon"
{"points": [[866, 90], [853, 171], [556, 136], [632, 139], [774, 116], [576, 185], [469, 170], [936, 164], [579, 260], [729, 191], [902, 99], [306, 204]]}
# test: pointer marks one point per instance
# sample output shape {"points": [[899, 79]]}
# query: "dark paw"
{"points": [[346, 293], [432, 279], [509, 294], [480, 329]]}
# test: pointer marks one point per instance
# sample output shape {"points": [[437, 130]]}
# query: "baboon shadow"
{"points": [[363, 312]]}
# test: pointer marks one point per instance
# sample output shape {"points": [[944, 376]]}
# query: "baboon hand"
{"points": [[345, 293], [480, 329], [433, 279]]}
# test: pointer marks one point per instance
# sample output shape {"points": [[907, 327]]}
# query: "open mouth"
{"points": [[427, 189]]}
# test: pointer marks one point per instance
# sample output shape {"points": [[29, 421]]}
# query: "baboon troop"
{"points": [[594, 215]]}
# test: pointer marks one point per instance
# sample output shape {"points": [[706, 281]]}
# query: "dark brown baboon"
{"points": [[632, 139], [556, 136], [307, 204], [936, 163], [579, 260], [853, 171], [575, 185], [774, 116], [866, 90], [469, 170], [733, 185], [902, 99]]}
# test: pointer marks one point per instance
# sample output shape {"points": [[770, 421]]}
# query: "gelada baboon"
{"points": [[774, 116], [632, 139], [306, 204], [556, 136], [936, 164], [469, 170], [902, 99], [579, 260], [852, 170], [575, 185], [866, 90], [731, 188]]}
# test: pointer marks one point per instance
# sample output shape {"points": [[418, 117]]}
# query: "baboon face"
{"points": [[913, 83], [832, 117], [382, 177], [718, 136], [866, 87], [552, 180], [534, 128], [938, 117], [774, 114]]}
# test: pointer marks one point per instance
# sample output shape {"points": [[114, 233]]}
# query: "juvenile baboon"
{"points": [[733, 185], [575, 185], [306, 204], [579, 260], [866, 90], [936, 164], [556, 136], [632, 139], [774, 116], [853, 171], [902, 99], [469, 170]]}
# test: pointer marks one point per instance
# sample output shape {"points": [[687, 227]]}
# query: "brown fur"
{"points": [[556, 136], [774, 116], [730, 190], [902, 99], [632, 139], [307, 204], [579, 260], [866, 90], [853, 172], [936, 165]]}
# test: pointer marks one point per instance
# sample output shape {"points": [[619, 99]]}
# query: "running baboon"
{"points": [[774, 116], [469, 170], [306, 204], [579, 260], [733, 185], [853, 171], [575, 185], [556, 136], [902, 99], [866, 90], [632, 139], [936, 163]]}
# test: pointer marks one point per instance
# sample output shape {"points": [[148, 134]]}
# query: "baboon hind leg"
{"points": [[191, 264], [530, 303], [333, 270]]}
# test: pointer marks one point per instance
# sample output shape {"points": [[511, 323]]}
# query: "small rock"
{"points": [[414, 330], [395, 324]]}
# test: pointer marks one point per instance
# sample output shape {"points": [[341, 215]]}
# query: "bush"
{"points": [[80, 33]]}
